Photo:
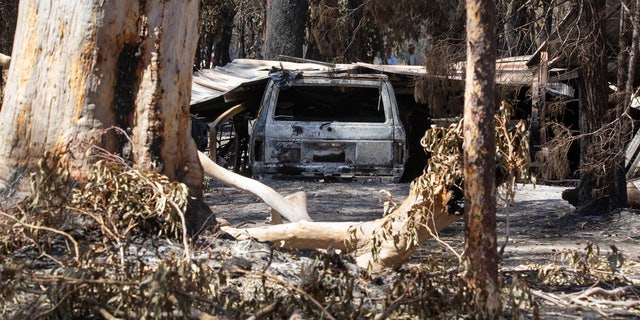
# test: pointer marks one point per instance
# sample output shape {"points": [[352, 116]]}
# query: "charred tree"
{"points": [[80, 68], [216, 28], [286, 20], [632, 61], [515, 41], [602, 184], [479, 160]]}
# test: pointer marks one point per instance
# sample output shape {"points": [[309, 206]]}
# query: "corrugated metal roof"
{"points": [[212, 83], [214, 89]]}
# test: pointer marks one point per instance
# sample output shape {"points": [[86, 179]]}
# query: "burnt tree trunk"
{"points": [[286, 21], [481, 254], [623, 55], [82, 67], [602, 184], [224, 34], [633, 51]]}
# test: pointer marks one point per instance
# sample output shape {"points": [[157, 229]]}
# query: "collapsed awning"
{"points": [[243, 80]]}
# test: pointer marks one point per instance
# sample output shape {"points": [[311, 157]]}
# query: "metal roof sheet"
{"points": [[214, 89], [212, 83]]}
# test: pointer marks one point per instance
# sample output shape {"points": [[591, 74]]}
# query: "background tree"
{"points": [[249, 26], [101, 65], [286, 20], [479, 160], [216, 26], [230, 29], [602, 180], [8, 15], [516, 30], [338, 31]]}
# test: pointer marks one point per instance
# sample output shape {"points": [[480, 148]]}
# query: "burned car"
{"points": [[329, 125]]}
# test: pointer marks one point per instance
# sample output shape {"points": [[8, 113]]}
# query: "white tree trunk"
{"points": [[481, 255]]}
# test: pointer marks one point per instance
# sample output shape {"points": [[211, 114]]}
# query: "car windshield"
{"points": [[330, 103]]}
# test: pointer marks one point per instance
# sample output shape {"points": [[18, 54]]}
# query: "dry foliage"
{"points": [[553, 158], [599, 278], [129, 199], [116, 198], [445, 145], [442, 181], [608, 144], [336, 28], [348, 31]]}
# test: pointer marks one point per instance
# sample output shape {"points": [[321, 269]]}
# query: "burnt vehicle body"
{"points": [[330, 125]]}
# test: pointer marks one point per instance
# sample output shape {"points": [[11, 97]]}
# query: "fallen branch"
{"points": [[613, 293], [587, 296], [292, 211], [76, 251], [586, 299], [265, 311], [380, 243], [549, 297], [384, 242]]}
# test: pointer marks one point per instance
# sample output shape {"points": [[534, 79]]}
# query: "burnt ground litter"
{"points": [[541, 227]]}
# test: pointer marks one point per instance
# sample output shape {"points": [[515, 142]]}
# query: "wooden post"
{"points": [[543, 76], [538, 100]]}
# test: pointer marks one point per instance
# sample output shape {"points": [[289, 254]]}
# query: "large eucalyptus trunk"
{"points": [[81, 68], [632, 51], [479, 159]]}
